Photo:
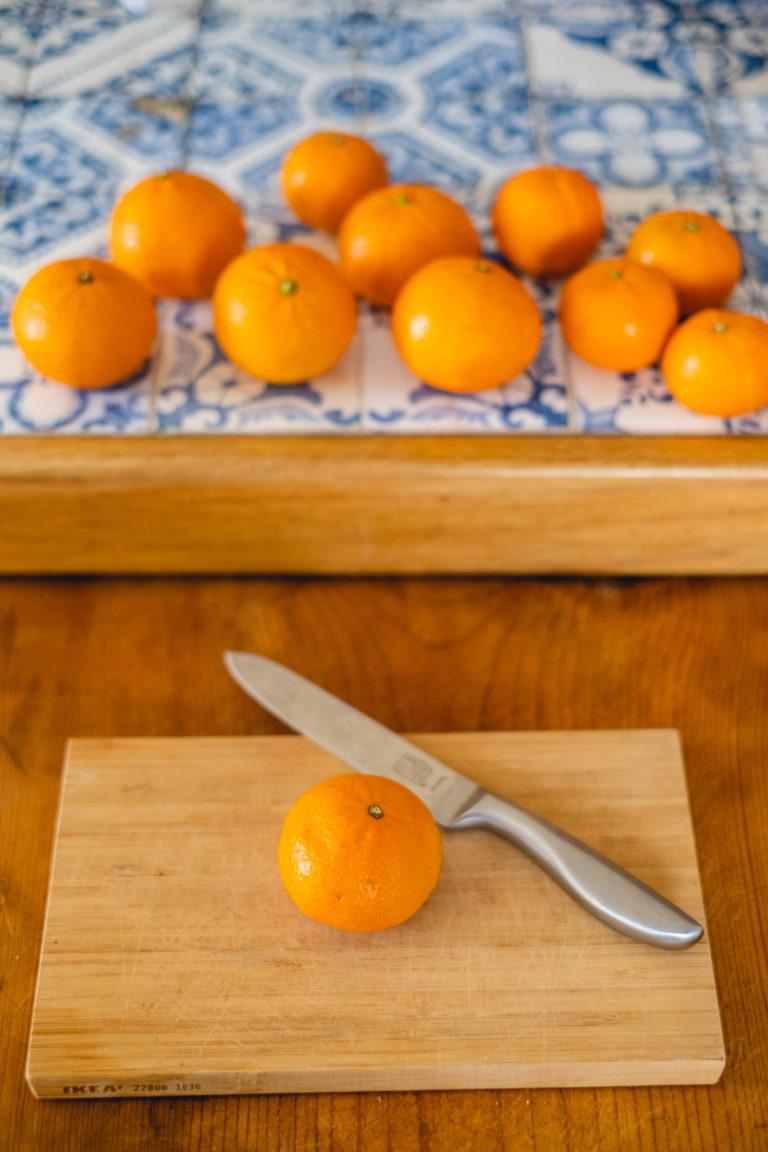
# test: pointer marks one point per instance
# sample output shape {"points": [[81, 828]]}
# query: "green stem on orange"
{"points": [[375, 811], [86, 277], [288, 287], [614, 274], [338, 140], [720, 326], [483, 267], [402, 199], [692, 226]]}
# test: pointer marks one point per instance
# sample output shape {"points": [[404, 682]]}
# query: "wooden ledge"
{"points": [[368, 505]]}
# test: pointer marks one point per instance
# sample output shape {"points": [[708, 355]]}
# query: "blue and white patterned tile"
{"points": [[72, 160], [731, 46], [396, 401], [257, 57], [198, 390], [460, 82], [98, 47], [412, 157], [242, 147], [11, 112], [438, 9], [632, 144], [606, 49], [742, 129], [20, 25], [214, 10], [264, 84], [752, 234], [31, 404]]}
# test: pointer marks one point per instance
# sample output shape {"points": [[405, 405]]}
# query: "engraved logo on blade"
{"points": [[410, 767]]}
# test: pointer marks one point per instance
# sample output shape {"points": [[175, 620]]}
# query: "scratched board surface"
{"points": [[174, 962], [662, 104]]}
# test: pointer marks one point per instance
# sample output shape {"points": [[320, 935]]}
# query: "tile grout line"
{"points": [[23, 99], [708, 94], [153, 421], [538, 124], [357, 66]]}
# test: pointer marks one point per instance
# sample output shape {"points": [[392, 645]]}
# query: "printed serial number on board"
{"points": [[154, 1089]]}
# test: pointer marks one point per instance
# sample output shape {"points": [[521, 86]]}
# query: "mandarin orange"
{"points": [[176, 232], [391, 233], [465, 324], [716, 363], [548, 221], [324, 175], [617, 314], [84, 323], [359, 852], [284, 313], [699, 257]]}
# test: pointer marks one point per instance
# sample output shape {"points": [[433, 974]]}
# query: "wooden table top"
{"points": [[143, 658]]}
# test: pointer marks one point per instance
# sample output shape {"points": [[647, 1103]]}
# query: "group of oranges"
{"points": [[461, 322]]}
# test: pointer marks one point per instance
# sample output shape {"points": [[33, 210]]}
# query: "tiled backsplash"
{"points": [[662, 104]]}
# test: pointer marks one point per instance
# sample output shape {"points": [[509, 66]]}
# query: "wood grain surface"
{"points": [[175, 964], [362, 504], [132, 658]]}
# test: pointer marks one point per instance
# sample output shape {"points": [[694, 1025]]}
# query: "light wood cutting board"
{"points": [[174, 963]]}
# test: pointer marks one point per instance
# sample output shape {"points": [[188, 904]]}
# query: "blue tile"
{"points": [[242, 58], [632, 144], [732, 46], [31, 404], [20, 24], [97, 46], [412, 158], [742, 131], [390, 43], [618, 49], [457, 85], [11, 113], [72, 160], [226, 132]]}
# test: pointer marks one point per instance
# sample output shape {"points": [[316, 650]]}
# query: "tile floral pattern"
{"points": [[662, 102]]}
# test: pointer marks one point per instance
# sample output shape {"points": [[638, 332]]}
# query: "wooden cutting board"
{"points": [[174, 963]]}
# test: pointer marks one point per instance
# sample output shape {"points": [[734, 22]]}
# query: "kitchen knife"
{"points": [[604, 889]]}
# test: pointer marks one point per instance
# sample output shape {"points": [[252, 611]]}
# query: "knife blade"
{"points": [[605, 890]]}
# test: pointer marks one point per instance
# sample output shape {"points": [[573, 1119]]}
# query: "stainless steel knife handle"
{"points": [[620, 900]]}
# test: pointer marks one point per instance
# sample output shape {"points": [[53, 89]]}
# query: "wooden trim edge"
{"points": [[384, 505]]}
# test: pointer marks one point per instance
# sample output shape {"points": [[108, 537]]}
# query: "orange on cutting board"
{"points": [[394, 231], [548, 221], [465, 324], [716, 363], [284, 313], [324, 175], [176, 232], [698, 256], [359, 852], [84, 323], [617, 314]]}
